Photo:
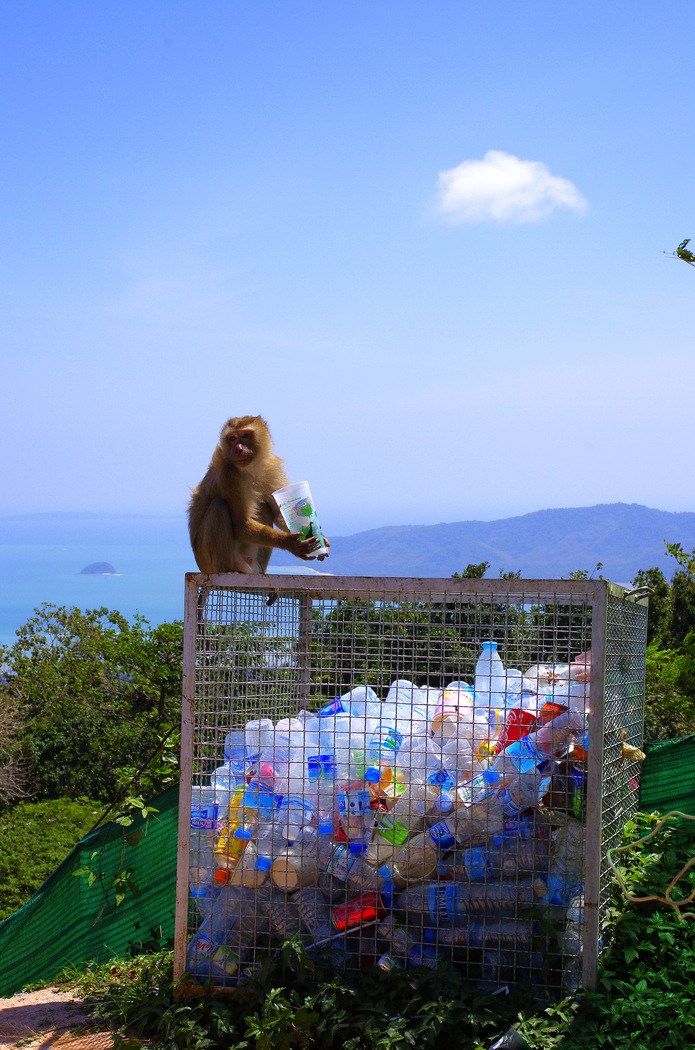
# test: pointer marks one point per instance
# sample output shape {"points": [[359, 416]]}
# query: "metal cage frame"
{"points": [[616, 698]]}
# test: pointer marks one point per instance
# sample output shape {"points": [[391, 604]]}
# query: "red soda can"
{"points": [[360, 911], [519, 721]]}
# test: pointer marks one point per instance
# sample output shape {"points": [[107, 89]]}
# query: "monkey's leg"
{"points": [[214, 546]]}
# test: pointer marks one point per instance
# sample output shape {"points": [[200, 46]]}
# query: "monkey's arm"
{"points": [[248, 530]]}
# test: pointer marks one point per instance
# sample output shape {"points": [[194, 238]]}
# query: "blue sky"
{"points": [[423, 239]]}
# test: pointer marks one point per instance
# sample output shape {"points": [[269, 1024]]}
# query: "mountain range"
{"points": [[544, 544]]}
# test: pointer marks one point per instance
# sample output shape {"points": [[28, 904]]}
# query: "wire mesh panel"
{"points": [[403, 772]]}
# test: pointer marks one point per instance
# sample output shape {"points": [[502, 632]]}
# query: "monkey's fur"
{"points": [[232, 511]]}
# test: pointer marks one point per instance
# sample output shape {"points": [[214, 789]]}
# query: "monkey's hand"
{"points": [[321, 557], [303, 549]]}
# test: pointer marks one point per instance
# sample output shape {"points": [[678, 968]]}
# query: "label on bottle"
{"points": [[321, 767], [525, 754], [442, 836], [443, 899], [442, 779], [392, 831], [260, 798], [201, 945], [205, 817], [385, 740], [340, 863], [226, 960], [353, 803], [477, 863], [336, 708]]}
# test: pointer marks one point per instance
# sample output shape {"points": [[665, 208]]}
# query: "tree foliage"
{"points": [[94, 693]]}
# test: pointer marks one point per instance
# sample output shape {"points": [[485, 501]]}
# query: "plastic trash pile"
{"points": [[394, 832]]}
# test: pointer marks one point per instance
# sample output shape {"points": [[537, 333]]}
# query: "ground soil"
{"points": [[50, 1018]]}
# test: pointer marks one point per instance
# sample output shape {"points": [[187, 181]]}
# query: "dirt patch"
{"points": [[46, 1019]]}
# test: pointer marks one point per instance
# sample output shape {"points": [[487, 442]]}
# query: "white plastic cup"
{"points": [[299, 513]]}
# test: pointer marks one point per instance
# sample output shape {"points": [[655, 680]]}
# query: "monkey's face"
{"points": [[240, 446]]}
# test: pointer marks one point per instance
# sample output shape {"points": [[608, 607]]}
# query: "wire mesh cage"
{"points": [[400, 772]]}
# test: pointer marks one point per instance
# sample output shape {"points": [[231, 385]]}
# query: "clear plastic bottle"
{"points": [[360, 701], [441, 903], [209, 955], [416, 860], [408, 815], [383, 747], [258, 733], [235, 755], [490, 678], [322, 775], [511, 934], [479, 863], [566, 870], [315, 913]]}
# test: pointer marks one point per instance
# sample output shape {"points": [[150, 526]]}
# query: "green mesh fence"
{"points": [[68, 921], [668, 777]]}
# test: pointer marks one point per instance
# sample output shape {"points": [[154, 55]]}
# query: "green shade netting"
{"points": [[668, 776], [60, 924]]}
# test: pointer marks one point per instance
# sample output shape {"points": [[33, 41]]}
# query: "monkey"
{"points": [[232, 511]]}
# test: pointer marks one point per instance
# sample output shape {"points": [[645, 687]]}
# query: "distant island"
{"points": [[98, 568]]}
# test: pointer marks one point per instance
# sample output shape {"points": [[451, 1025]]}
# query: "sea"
{"points": [[149, 579]]}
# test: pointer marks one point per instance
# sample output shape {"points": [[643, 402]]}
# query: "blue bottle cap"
{"points": [[357, 847], [243, 833], [430, 936], [264, 863], [384, 870], [325, 827], [372, 775]]}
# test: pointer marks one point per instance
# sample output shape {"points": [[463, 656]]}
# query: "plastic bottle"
{"points": [[382, 750], [360, 701], [456, 702], [258, 733], [322, 774], [523, 755], [407, 816], [512, 934], [478, 863], [205, 813], [355, 812], [440, 903], [490, 678], [299, 864], [235, 755], [315, 913], [416, 860], [208, 956], [249, 806], [566, 870], [428, 765]]}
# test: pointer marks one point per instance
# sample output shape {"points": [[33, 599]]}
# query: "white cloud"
{"points": [[503, 188]]}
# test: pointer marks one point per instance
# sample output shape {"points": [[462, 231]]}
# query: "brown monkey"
{"points": [[232, 511]]}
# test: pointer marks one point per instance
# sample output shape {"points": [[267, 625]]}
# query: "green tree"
{"points": [[95, 695], [659, 601], [472, 571]]}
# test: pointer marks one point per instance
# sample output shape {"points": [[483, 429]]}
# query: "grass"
{"points": [[645, 998], [34, 838]]}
